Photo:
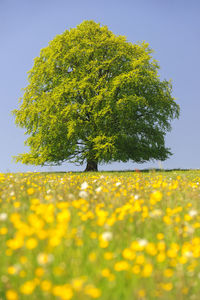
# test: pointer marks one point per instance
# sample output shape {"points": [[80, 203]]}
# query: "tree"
{"points": [[93, 96]]}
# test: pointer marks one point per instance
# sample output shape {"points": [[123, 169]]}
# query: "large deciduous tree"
{"points": [[94, 97]]}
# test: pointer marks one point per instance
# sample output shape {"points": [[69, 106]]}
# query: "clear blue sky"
{"points": [[171, 27]]}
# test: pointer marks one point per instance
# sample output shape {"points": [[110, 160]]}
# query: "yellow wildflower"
{"points": [[136, 269], [147, 270], [30, 191], [92, 291], [3, 230], [168, 272], [31, 243], [141, 293], [105, 272], [27, 288], [108, 255], [39, 272], [161, 257], [121, 266], [160, 236], [167, 286], [77, 284], [155, 197], [46, 285], [12, 270], [11, 295], [128, 254]]}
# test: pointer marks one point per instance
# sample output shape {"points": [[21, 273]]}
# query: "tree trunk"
{"points": [[91, 166]]}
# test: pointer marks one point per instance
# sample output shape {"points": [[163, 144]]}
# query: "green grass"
{"points": [[106, 235]]}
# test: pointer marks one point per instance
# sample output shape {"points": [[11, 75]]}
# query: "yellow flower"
{"points": [[79, 242], [147, 270], [43, 258], [151, 249], [103, 243], [161, 257], [182, 260], [42, 234], [92, 291], [46, 285], [168, 272], [67, 293], [15, 218], [167, 220], [140, 259], [15, 243], [30, 191], [12, 270], [172, 253], [138, 245], [160, 236], [31, 243], [102, 216], [3, 230], [77, 284], [108, 255], [93, 235], [155, 197], [136, 269], [17, 204], [54, 241], [36, 222], [196, 241], [121, 266], [187, 218], [105, 272], [27, 288], [128, 254], [48, 197], [177, 219], [161, 246], [141, 293], [11, 295], [63, 216], [110, 221], [63, 291], [39, 272], [167, 286]]}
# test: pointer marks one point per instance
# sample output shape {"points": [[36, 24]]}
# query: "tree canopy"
{"points": [[94, 97]]}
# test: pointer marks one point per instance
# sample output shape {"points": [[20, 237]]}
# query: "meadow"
{"points": [[106, 235]]}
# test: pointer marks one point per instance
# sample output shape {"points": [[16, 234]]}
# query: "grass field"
{"points": [[110, 236]]}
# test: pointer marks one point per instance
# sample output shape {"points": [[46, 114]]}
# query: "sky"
{"points": [[172, 29]]}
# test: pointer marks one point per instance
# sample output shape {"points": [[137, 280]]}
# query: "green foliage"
{"points": [[95, 96]]}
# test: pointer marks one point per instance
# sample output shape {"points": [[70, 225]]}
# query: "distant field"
{"points": [[106, 235]]}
